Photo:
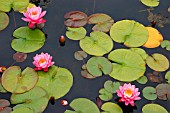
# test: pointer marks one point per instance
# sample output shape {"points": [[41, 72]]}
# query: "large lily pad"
{"points": [[76, 33], [2, 90], [129, 32], [97, 44], [98, 65], [111, 86], [83, 105], [167, 76], [110, 107], [128, 66], [23, 110], [149, 93], [57, 81], [105, 95], [4, 20], [15, 81], [157, 62], [27, 40], [141, 52], [166, 44], [35, 99], [5, 5], [153, 108], [150, 3], [163, 91]]}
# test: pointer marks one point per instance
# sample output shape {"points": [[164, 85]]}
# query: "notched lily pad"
{"points": [[149, 93], [167, 77], [76, 33], [4, 20], [111, 86], [19, 57], [142, 80], [150, 3], [141, 52], [80, 55], [86, 74], [153, 108], [105, 95], [163, 91], [110, 107], [23, 110], [166, 44]]}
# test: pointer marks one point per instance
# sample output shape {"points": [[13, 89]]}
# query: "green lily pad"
{"points": [[163, 91], [105, 95], [141, 52], [5, 5], [97, 44], [129, 32], [153, 108], [35, 99], [110, 107], [111, 86], [57, 81], [76, 33], [23, 110], [27, 40], [128, 66], [142, 80], [15, 81], [83, 105], [98, 65], [4, 20], [157, 62], [149, 93], [19, 5], [167, 76], [166, 44], [150, 3], [2, 90]]}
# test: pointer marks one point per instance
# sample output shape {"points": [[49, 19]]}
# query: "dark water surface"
{"points": [[64, 56]]}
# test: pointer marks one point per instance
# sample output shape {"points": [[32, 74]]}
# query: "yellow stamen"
{"points": [[34, 13], [129, 92], [42, 61]]}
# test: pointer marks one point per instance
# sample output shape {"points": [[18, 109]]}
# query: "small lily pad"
{"points": [[150, 3], [141, 52], [105, 95], [110, 107], [154, 78], [19, 57], [163, 91], [98, 65], [129, 32], [4, 106], [4, 20], [149, 93], [80, 55], [23, 110], [167, 76], [157, 62], [97, 44], [142, 80], [76, 33], [15, 81], [103, 27], [83, 105], [166, 44], [111, 86], [86, 74], [153, 108]]}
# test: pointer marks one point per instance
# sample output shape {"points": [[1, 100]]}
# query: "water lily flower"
{"points": [[128, 93], [34, 16], [42, 61]]}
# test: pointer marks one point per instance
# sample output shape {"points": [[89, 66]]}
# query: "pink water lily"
{"points": [[128, 93], [42, 61], [34, 16]]}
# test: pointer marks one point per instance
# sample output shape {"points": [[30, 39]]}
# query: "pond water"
{"points": [[64, 56]]}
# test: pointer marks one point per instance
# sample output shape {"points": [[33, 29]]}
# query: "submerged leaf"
{"points": [[105, 95], [163, 91], [4, 20], [99, 102], [154, 78], [19, 57], [150, 3], [149, 93], [166, 44], [153, 108], [111, 86], [110, 107], [80, 55], [76, 33], [142, 80]]}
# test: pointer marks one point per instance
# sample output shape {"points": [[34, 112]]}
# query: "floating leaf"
{"points": [[157, 62], [128, 66], [19, 57], [4, 20], [166, 44], [83, 105], [15, 81], [5, 5], [153, 108], [129, 32], [110, 107], [30, 5], [155, 38], [6, 110], [36, 99], [80, 55], [23, 110], [154, 78], [76, 33], [99, 102], [2, 90], [84, 67], [75, 19], [57, 81], [105, 95], [141, 52], [97, 44], [27, 40], [111, 86], [149, 93], [4, 106], [103, 27], [150, 3], [86, 74], [163, 91], [142, 80], [167, 76]]}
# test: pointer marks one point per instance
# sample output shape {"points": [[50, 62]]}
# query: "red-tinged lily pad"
{"points": [[153, 108], [154, 78], [19, 57], [163, 91], [75, 19], [157, 62], [149, 93], [15, 81], [4, 106], [80, 55], [4, 20], [86, 74], [110, 107]]}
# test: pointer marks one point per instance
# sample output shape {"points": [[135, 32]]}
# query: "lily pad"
{"points": [[76, 33], [103, 27], [167, 76], [27, 40], [157, 62], [57, 81], [5, 5], [35, 99], [129, 32], [111, 86], [141, 52], [154, 78], [98, 65], [15, 81], [80, 55], [163, 91], [86, 74], [4, 20], [153, 108], [110, 107], [97, 44], [105, 95], [19, 57], [149, 93], [83, 105], [23, 110], [2, 90], [4, 106], [150, 3], [166, 44], [142, 80], [128, 66]]}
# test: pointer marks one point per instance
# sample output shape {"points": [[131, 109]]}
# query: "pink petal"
{"points": [[42, 14], [26, 19]]}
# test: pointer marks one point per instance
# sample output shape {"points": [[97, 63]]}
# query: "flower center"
{"points": [[34, 13], [41, 61], [128, 92]]}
